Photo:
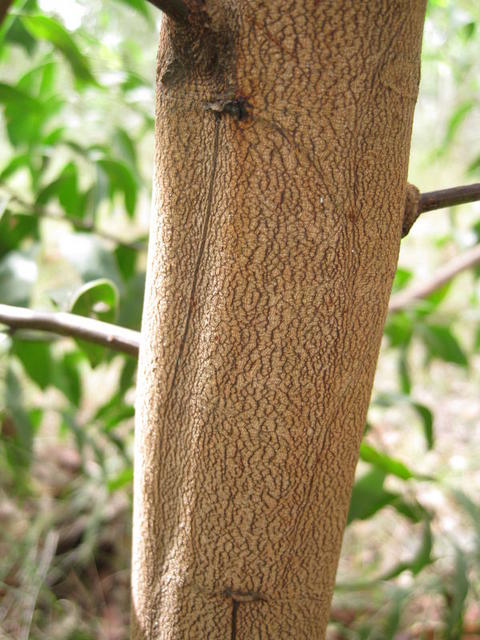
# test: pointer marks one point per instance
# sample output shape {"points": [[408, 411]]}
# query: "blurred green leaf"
{"points": [[17, 34], [18, 274], [140, 6], [48, 29], [474, 166], [36, 360], [127, 377], [369, 496], [131, 303], [18, 430], [98, 300], [65, 189], [403, 372], [16, 163], [426, 417], [66, 376], [441, 343], [120, 180], [88, 255], [422, 411], [422, 558], [124, 147], [399, 329], [20, 99], [402, 278], [123, 479], [455, 593], [14, 229], [385, 463], [455, 122], [126, 259]]}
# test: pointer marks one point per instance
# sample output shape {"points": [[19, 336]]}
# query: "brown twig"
{"points": [[175, 9], [404, 299], [4, 7], [67, 324], [449, 197]]}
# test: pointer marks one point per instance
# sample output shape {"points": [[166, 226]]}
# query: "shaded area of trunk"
{"points": [[283, 133]]}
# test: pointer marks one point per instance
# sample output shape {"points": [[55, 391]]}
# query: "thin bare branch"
{"points": [[449, 197], [405, 299], [175, 9], [67, 324]]}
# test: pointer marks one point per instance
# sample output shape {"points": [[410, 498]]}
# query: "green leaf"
{"points": [[426, 417], [45, 28], [65, 189], [473, 511], [402, 278], [66, 376], [17, 163], [474, 166], [14, 229], [441, 343], [455, 593], [127, 378], [18, 275], [122, 180], [399, 329], [18, 98], [455, 122], [18, 430], [140, 6], [17, 34], [403, 372], [385, 463], [423, 412], [126, 259], [124, 147], [36, 359], [39, 80], [420, 560], [123, 479], [25, 115], [98, 300], [131, 303], [369, 496], [87, 254]]}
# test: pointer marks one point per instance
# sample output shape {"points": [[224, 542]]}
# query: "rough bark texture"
{"points": [[283, 134]]}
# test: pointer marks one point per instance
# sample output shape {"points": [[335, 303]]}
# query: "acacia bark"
{"points": [[282, 142]]}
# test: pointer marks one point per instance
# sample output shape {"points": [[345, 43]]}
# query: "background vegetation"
{"points": [[77, 99]]}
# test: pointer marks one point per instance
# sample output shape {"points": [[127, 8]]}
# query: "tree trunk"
{"points": [[282, 136]]}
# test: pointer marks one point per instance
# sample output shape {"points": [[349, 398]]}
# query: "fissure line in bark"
{"points": [[201, 251], [239, 597]]}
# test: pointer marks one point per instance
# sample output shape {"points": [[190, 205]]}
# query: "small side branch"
{"points": [[417, 203], [404, 299], [67, 324], [175, 9], [433, 200]]}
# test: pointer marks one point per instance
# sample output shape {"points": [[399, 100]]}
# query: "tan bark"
{"points": [[283, 133]]}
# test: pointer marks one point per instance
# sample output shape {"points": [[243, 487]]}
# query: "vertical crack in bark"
{"points": [[201, 250], [235, 604]]}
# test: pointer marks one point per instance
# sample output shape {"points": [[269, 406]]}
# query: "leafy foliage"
{"points": [[77, 112]]}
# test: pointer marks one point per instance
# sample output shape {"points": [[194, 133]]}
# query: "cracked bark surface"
{"points": [[282, 141]]}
